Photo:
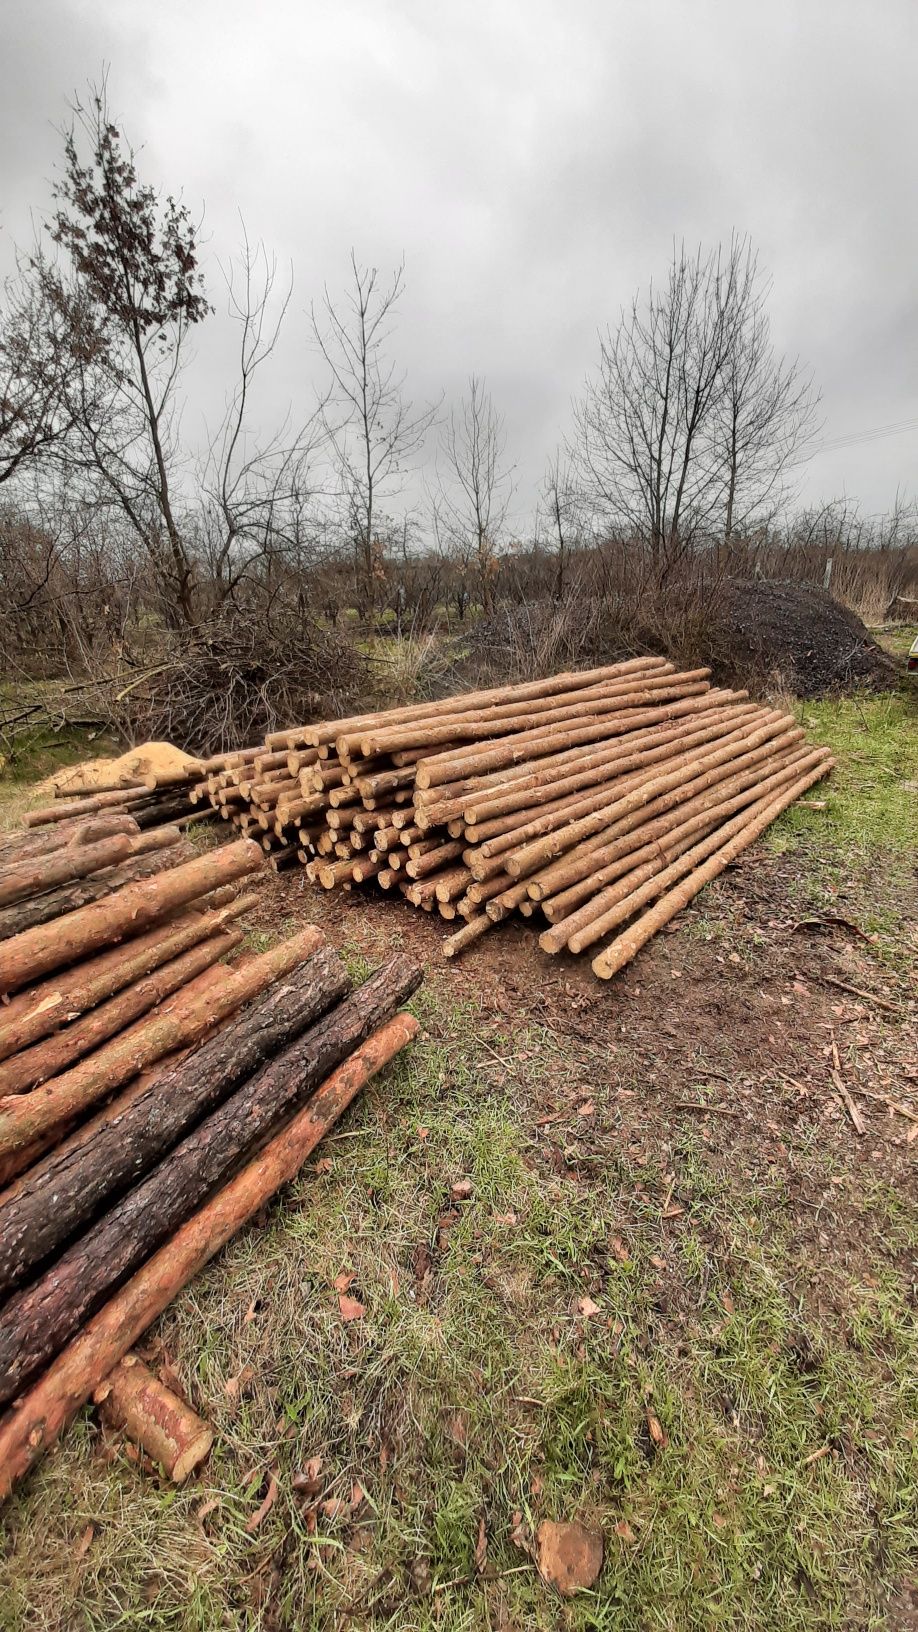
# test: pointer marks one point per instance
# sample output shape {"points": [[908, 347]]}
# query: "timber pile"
{"points": [[153, 1097], [599, 803], [152, 797]]}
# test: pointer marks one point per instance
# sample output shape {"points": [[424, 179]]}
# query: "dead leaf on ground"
{"points": [[620, 1250], [85, 1542], [206, 1508], [262, 1512], [569, 1555], [350, 1308], [307, 1481], [586, 1307], [655, 1429], [461, 1190], [624, 1531], [342, 1282], [234, 1385], [336, 1507], [481, 1546]]}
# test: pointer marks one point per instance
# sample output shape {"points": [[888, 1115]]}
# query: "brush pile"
{"points": [[599, 801], [153, 1097]]}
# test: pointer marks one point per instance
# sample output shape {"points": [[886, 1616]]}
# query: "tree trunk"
{"points": [[36, 1323], [49, 945], [30, 917], [55, 1055], [69, 863], [167, 1429], [52, 1201], [38, 1421]]}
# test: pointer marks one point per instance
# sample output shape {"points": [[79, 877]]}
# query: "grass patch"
{"points": [[474, 1393]]}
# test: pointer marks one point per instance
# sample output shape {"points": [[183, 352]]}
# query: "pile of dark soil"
{"points": [[795, 635]]}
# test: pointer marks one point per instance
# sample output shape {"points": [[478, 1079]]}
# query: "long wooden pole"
{"points": [[628, 944], [37, 951], [38, 1420]]}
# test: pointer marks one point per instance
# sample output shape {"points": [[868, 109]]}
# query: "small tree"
{"points": [[134, 262], [470, 512], [258, 515], [692, 419], [373, 430], [44, 332], [560, 504]]}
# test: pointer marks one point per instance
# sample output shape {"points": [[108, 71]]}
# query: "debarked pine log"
{"points": [[626, 945], [151, 1415], [136, 906], [55, 1198], [33, 1015], [183, 1019], [37, 1322], [37, 1422]]}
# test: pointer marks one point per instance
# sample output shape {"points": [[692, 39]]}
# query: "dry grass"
{"points": [[754, 1290]]}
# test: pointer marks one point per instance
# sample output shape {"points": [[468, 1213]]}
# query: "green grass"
{"points": [[779, 1354], [473, 1390]]}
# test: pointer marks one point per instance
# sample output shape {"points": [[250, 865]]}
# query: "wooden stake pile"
{"points": [[152, 1097], [600, 802]]}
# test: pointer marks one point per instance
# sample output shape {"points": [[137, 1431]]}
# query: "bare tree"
{"points": [[258, 493], [470, 511], [559, 498], [691, 405], [767, 413], [134, 262], [44, 330], [373, 430]]}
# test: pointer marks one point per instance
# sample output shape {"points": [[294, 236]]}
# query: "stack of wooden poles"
{"points": [[153, 1096], [599, 801], [151, 802]]}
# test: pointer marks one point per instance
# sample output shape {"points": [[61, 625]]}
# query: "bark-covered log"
{"points": [[138, 905], [73, 809], [151, 1415], [40, 841], [69, 863], [41, 1416], [36, 1323], [183, 1019], [17, 1163], [65, 1189], [54, 1055], [39, 1013], [27, 917]]}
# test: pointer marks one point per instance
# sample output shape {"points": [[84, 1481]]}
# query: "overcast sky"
{"points": [[532, 160]]}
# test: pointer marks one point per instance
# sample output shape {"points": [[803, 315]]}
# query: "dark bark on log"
{"points": [[40, 1418], [27, 916], [68, 1187], [35, 1324], [136, 907]]}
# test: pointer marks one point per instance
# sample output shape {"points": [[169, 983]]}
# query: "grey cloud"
{"points": [[533, 160]]}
